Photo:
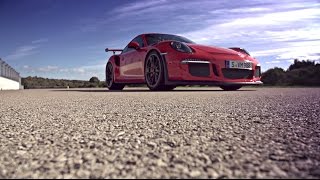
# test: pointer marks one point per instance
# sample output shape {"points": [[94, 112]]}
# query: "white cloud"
{"points": [[273, 62], [82, 72], [42, 40], [48, 69], [40, 69], [292, 50], [285, 32], [138, 6], [130, 10], [26, 67], [27, 50], [21, 52], [132, 16], [239, 10], [278, 18], [270, 27], [311, 32]]}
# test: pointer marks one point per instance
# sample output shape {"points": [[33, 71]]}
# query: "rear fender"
{"points": [[115, 61]]}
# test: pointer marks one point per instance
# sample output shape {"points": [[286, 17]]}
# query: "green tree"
{"points": [[94, 80], [274, 76], [305, 75], [301, 64]]}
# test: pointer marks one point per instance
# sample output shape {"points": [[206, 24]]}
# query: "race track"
{"points": [[136, 133]]}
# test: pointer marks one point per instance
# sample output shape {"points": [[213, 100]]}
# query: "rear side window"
{"points": [[126, 49]]}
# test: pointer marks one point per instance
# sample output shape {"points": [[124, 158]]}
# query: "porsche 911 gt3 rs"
{"points": [[165, 61]]}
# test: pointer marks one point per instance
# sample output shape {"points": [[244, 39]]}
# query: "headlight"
{"points": [[179, 46]]}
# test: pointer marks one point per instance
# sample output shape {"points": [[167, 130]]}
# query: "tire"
{"points": [[231, 87], [169, 87], [154, 72], [111, 85]]}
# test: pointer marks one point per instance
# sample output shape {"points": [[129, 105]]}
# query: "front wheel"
{"points": [[154, 72], [111, 85], [230, 88]]}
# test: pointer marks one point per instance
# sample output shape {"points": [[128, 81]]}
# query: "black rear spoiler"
{"points": [[113, 50], [240, 50]]}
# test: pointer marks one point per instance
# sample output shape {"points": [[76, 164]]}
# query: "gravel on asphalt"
{"points": [[136, 133]]}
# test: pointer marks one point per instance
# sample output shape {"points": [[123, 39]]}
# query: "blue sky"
{"points": [[66, 38]]}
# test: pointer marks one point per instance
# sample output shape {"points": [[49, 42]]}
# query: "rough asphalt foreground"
{"points": [[187, 133]]}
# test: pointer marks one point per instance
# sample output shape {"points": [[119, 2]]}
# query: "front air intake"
{"points": [[199, 69], [215, 70], [257, 72], [237, 73]]}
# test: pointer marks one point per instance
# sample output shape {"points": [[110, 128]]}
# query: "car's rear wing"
{"points": [[113, 50]]}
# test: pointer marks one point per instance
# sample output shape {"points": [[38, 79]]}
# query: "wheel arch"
{"points": [[116, 71], [149, 52], [163, 61]]}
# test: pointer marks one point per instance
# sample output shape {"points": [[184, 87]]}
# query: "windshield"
{"points": [[156, 38]]}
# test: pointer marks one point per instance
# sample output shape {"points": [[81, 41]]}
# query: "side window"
{"points": [[139, 40]]}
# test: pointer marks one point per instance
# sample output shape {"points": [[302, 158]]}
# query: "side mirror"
{"points": [[133, 45]]}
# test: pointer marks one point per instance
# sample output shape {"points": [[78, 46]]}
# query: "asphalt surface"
{"points": [[186, 133]]}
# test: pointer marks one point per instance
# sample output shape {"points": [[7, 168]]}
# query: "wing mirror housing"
{"points": [[133, 45]]}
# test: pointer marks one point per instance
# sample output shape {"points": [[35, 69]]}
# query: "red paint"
{"points": [[131, 69]]}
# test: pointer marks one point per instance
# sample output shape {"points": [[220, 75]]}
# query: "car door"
{"points": [[137, 66], [132, 61], [125, 59]]}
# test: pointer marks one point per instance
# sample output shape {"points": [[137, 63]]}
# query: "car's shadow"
{"points": [[147, 90]]}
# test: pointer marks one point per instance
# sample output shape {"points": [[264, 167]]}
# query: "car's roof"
{"points": [[156, 33]]}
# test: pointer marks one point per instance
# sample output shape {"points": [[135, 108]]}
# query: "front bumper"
{"points": [[208, 69], [194, 71]]}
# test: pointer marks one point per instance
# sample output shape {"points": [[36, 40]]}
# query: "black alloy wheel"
{"points": [[154, 72], [111, 85]]}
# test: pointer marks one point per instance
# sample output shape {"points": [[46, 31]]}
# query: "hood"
{"points": [[214, 50]]}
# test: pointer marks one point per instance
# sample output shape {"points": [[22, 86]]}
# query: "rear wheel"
{"points": [[154, 72], [111, 85], [231, 87]]}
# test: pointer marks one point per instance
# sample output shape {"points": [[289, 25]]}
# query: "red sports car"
{"points": [[164, 61]]}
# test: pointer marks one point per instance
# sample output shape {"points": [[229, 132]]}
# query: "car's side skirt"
{"points": [[212, 83]]}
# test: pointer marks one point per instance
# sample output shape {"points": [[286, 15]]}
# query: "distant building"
{"points": [[9, 78]]}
